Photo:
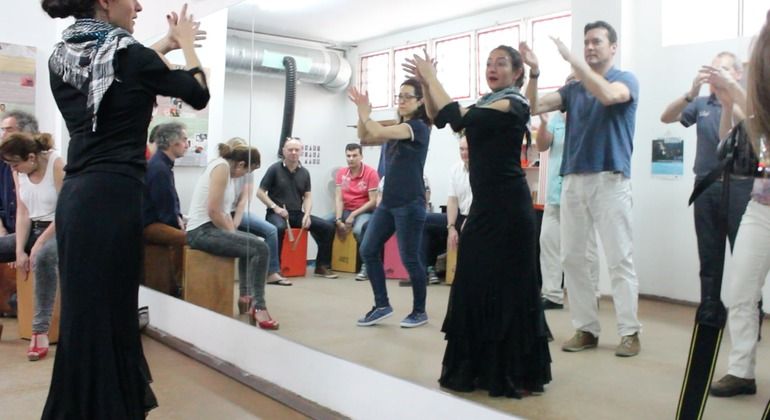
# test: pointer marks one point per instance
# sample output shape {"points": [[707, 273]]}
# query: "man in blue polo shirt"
{"points": [[705, 112], [596, 194]]}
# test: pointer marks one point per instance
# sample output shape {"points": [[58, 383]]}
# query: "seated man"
{"points": [[285, 190], [163, 222], [355, 195], [442, 230]]}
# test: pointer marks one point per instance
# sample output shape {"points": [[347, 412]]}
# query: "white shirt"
{"points": [[40, 199], [460, 187], [199, 209]]}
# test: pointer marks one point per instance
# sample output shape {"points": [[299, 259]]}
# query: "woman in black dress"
{"points": [[105, 84], [495, 328]]}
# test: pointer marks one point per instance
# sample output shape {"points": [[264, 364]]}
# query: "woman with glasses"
{"points": [[495, 329], [402, 209], [211, 228]]}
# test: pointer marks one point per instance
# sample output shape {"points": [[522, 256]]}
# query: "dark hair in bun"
{"points": [[67, 8]]}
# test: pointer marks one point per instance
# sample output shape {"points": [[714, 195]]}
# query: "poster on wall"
{"points": [[311, 154], [17, 77], [196, 123], [668, 157]]}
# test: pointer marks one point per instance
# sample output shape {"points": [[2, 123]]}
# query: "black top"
{"points": [[161, 202], [286, 188], [494, 137], [118, 143], [7, 198], [405, 162]]}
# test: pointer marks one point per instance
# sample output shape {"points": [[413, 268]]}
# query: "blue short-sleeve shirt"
{"points": [[599, 138]]}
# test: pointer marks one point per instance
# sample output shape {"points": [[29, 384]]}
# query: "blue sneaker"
{"points": [[415, 319], [375, 316]]}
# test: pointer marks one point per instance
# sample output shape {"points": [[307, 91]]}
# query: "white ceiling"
{"points": [[345, 22]]}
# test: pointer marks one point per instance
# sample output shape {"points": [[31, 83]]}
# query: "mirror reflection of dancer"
{"points": [[495, 328], [402, 209], [100, 371]]}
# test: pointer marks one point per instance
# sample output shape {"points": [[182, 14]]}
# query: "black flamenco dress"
{"points": [[100, 371], [495, 328]]}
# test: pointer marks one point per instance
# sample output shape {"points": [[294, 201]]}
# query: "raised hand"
{"points": [[183, 30], [528, 56], [701, 78], [362, 103], [563, 50], [717, 77], [420, 68]]}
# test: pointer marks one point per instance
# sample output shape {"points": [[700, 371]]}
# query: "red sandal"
{"points": [[268, 324], [38, 346]]}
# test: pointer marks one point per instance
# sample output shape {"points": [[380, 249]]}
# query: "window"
{"points": [[399, 57], [553, 69], [454, 65], [488, 40], [375, 69], [713, 20]]}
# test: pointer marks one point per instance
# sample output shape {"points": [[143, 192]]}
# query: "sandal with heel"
{"points": [[37, 351], [268, 324]]}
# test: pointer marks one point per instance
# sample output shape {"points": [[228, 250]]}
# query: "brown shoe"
{"points": [[629, 346], [323, 271], [582, 340], [730, 386]]}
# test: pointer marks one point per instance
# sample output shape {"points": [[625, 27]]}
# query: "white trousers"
{"points": [[751, 263], [550, 255], [600, 201]]}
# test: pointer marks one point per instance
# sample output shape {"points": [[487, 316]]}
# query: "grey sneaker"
{"points": [[324, 272], [582, 340], [730, 386], [629, 346], [361, 276], [375, 316], [144, 317], [432, 277], [415, 319]]}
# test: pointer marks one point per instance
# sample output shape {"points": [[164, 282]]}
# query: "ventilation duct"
{"points": [[316, 65]]}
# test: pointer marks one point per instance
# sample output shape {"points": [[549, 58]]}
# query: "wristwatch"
{"points": [[451, 225], [337, 220], [273, 206], [688, 98]]}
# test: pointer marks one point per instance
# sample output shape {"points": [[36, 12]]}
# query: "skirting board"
{"points": [[297, 371]]}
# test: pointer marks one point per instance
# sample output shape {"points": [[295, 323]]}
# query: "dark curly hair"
{"points": [[67, 8]]}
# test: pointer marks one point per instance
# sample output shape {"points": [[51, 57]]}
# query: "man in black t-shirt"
{"points": [[285, 190]]}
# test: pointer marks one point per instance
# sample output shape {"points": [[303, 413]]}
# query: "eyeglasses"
{"points": [[405, 97]]}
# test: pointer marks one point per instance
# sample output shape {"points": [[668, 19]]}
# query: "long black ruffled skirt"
{"points": [[495, 328], [100, 371]]}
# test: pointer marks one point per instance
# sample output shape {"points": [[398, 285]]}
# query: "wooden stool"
{"points": [[344, 253], [208, 281], [294, 254], [25, 295], [7, 287], [451, 265], [394, 267], [162, 268]]}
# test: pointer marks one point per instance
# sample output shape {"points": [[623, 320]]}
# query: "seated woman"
{"points": [[211, 228], [250, 223], [39, 172]]}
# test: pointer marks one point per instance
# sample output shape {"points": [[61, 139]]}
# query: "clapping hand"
{"points": [[420, 67], [362, 103], [529, 57]]}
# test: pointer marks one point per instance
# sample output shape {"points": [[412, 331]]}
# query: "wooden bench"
{"points": [[208, 281], [25, 295], [163, 268]]}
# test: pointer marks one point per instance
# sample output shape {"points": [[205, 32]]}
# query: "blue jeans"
{"points": [[251, 224], [250, 251], [358, 223], [407, 222]]}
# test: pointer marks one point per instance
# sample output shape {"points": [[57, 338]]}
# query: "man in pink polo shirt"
{"points": [[355, 195]]}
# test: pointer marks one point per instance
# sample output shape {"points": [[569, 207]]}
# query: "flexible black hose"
{"points": [[288, 102]]}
